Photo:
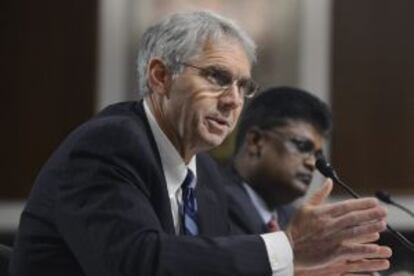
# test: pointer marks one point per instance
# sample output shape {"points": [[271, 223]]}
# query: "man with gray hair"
{"points": [[131, 192]]}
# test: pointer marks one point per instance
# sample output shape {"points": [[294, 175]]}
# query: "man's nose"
{"points": [[232, 97], [310, 160]]}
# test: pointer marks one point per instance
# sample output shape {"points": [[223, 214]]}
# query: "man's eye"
{"points": [[219, 77], [244, 84], [303, 145]]}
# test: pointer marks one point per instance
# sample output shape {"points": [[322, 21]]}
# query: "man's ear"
{"points": [[254, 142], [159, 77]]}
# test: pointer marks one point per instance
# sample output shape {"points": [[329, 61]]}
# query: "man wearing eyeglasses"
{"points": [[131, 192], [281, 133]]}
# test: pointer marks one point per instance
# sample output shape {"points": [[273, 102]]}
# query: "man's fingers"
{"points": [[344, 231], [365, 238], [360, 217], [340, 268], [360, 230], [322, 194], [354, 251], [367, 265], [359, 226], [341, 208]]}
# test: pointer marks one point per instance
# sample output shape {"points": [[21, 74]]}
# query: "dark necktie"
{"points": [[189, 216], [273, 225]]}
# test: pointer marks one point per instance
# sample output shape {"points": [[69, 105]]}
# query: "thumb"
{"points": [[322, 194]]}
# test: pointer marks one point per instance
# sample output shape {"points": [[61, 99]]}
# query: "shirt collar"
{"points": [[174, 167], [260, 204]]}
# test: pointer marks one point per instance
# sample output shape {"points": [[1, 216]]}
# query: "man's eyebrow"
{"points": [[226, 70], [218, 67], [303, 138], [298, 136]]}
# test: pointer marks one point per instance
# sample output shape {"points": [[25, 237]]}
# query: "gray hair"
{"points": [[182, 36]]}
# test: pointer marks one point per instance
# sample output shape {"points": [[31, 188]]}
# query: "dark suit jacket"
{"points": [[245, 219], [5, 253], [100, 207]]}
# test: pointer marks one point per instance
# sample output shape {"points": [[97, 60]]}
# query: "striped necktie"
{"points": [[189, 216]]}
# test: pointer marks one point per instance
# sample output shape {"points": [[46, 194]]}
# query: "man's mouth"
{"points": [[305, 178], [218, 122]]}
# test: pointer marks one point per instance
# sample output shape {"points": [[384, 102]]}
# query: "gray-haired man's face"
{"points": [[200, 112]]}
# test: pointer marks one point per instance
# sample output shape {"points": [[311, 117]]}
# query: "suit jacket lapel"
{"points": [[242, 208], [245, 211], [207, 202], [284, 214], [156, 180], [206, 212]]}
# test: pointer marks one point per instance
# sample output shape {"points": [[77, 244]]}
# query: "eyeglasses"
{"points": [[223, 80], [299, 145]]}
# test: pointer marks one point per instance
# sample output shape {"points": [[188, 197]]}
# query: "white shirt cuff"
{"points": [[279, 252]]}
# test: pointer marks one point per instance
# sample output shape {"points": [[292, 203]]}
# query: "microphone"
{"points": [[325, 168], [386, 198], [328, 171]]}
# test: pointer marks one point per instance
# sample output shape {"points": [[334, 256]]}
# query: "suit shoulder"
{"points": [[118, 134], [119, 116], [117, 123]]}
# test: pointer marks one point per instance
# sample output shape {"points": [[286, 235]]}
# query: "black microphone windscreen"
{"points": [[384, 196], [324, 167]]}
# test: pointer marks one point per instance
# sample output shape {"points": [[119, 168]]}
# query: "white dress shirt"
{"points": [[277, 244], [173, 166]]}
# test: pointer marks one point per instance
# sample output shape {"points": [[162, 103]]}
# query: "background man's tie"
{"points": [[190, 222], [273, 225]]}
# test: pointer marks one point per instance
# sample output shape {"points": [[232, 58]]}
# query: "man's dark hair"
{"points": [[275, 106]]}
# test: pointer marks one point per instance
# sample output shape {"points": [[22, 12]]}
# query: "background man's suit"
{"points": [[100, 207], [244, 216]]}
